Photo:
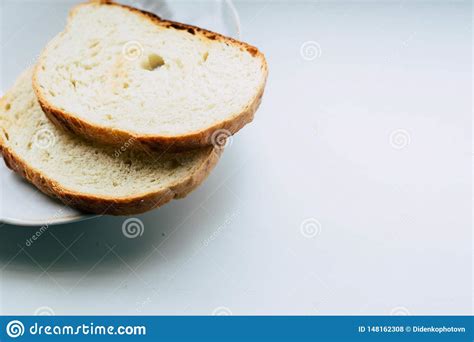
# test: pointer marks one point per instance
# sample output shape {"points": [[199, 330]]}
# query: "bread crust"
{"points": [[108, 205], [114, 136]]}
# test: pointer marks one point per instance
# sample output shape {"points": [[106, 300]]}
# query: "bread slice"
{"points": [[117, 73], [91, 177]]}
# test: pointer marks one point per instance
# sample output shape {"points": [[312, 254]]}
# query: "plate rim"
{"points": [[83, 217], [51, 222]]}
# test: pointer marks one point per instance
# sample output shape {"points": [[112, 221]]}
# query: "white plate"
{"points": [[21, 41]]}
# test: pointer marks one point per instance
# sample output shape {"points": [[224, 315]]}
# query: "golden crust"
{"points": [[107, 135], [108, 205]]}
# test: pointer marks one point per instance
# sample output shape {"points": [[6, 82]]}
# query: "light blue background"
{"points": [[396, 223]]}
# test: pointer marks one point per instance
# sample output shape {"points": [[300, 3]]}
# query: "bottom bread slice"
{"points": [[91, 177]]}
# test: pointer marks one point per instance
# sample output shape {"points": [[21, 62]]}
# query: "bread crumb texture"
{"points": [[118, 68], [75, 166]]}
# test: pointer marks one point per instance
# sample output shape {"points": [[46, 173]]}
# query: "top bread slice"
{"points": [[88, 176], [117, 73]]}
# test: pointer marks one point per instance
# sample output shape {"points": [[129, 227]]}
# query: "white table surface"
{"points": [[371, 140]]}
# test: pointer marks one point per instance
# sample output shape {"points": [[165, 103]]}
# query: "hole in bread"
{"points": [[5, 133], [205, 56], [30, 144], [126, 85], [152, 62], [52, 93], [8, 107]]}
